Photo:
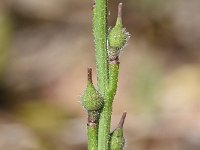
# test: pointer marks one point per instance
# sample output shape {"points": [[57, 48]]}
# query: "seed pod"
{"points": [[91, 99], [117, 140], [118, 36]]}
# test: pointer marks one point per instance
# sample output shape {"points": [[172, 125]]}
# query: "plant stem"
{"points": [[107, 67], [105, 116], [100, 35], [113, 77], [104, 126], [92, 129], [107, 81]]}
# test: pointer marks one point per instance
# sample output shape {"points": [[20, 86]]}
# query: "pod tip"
{"points": [[121, 122]]}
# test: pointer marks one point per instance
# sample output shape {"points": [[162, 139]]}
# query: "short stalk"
{"points": [[92, 129], [113, 77]]}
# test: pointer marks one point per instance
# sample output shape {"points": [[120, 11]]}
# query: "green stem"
{"points": [[113, 78], [92, 129], [104, 126], [100, 35], [105, 116], [106, 88]]}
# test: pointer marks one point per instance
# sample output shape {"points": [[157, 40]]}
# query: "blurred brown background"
{"points": [[45, 48]]}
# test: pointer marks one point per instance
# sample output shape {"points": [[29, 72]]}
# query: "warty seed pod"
{"points": [[91, 99], [118, 36], [117, 140]]}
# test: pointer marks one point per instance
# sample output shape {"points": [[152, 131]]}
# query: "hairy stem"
{"points": [[104, 126], [107, 75], [105, 116], [100, 35], [113, 77], [92, 129]]}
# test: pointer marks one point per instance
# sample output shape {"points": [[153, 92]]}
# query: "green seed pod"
{"points": [[117, 140], [91, 99], [118, 36]]}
